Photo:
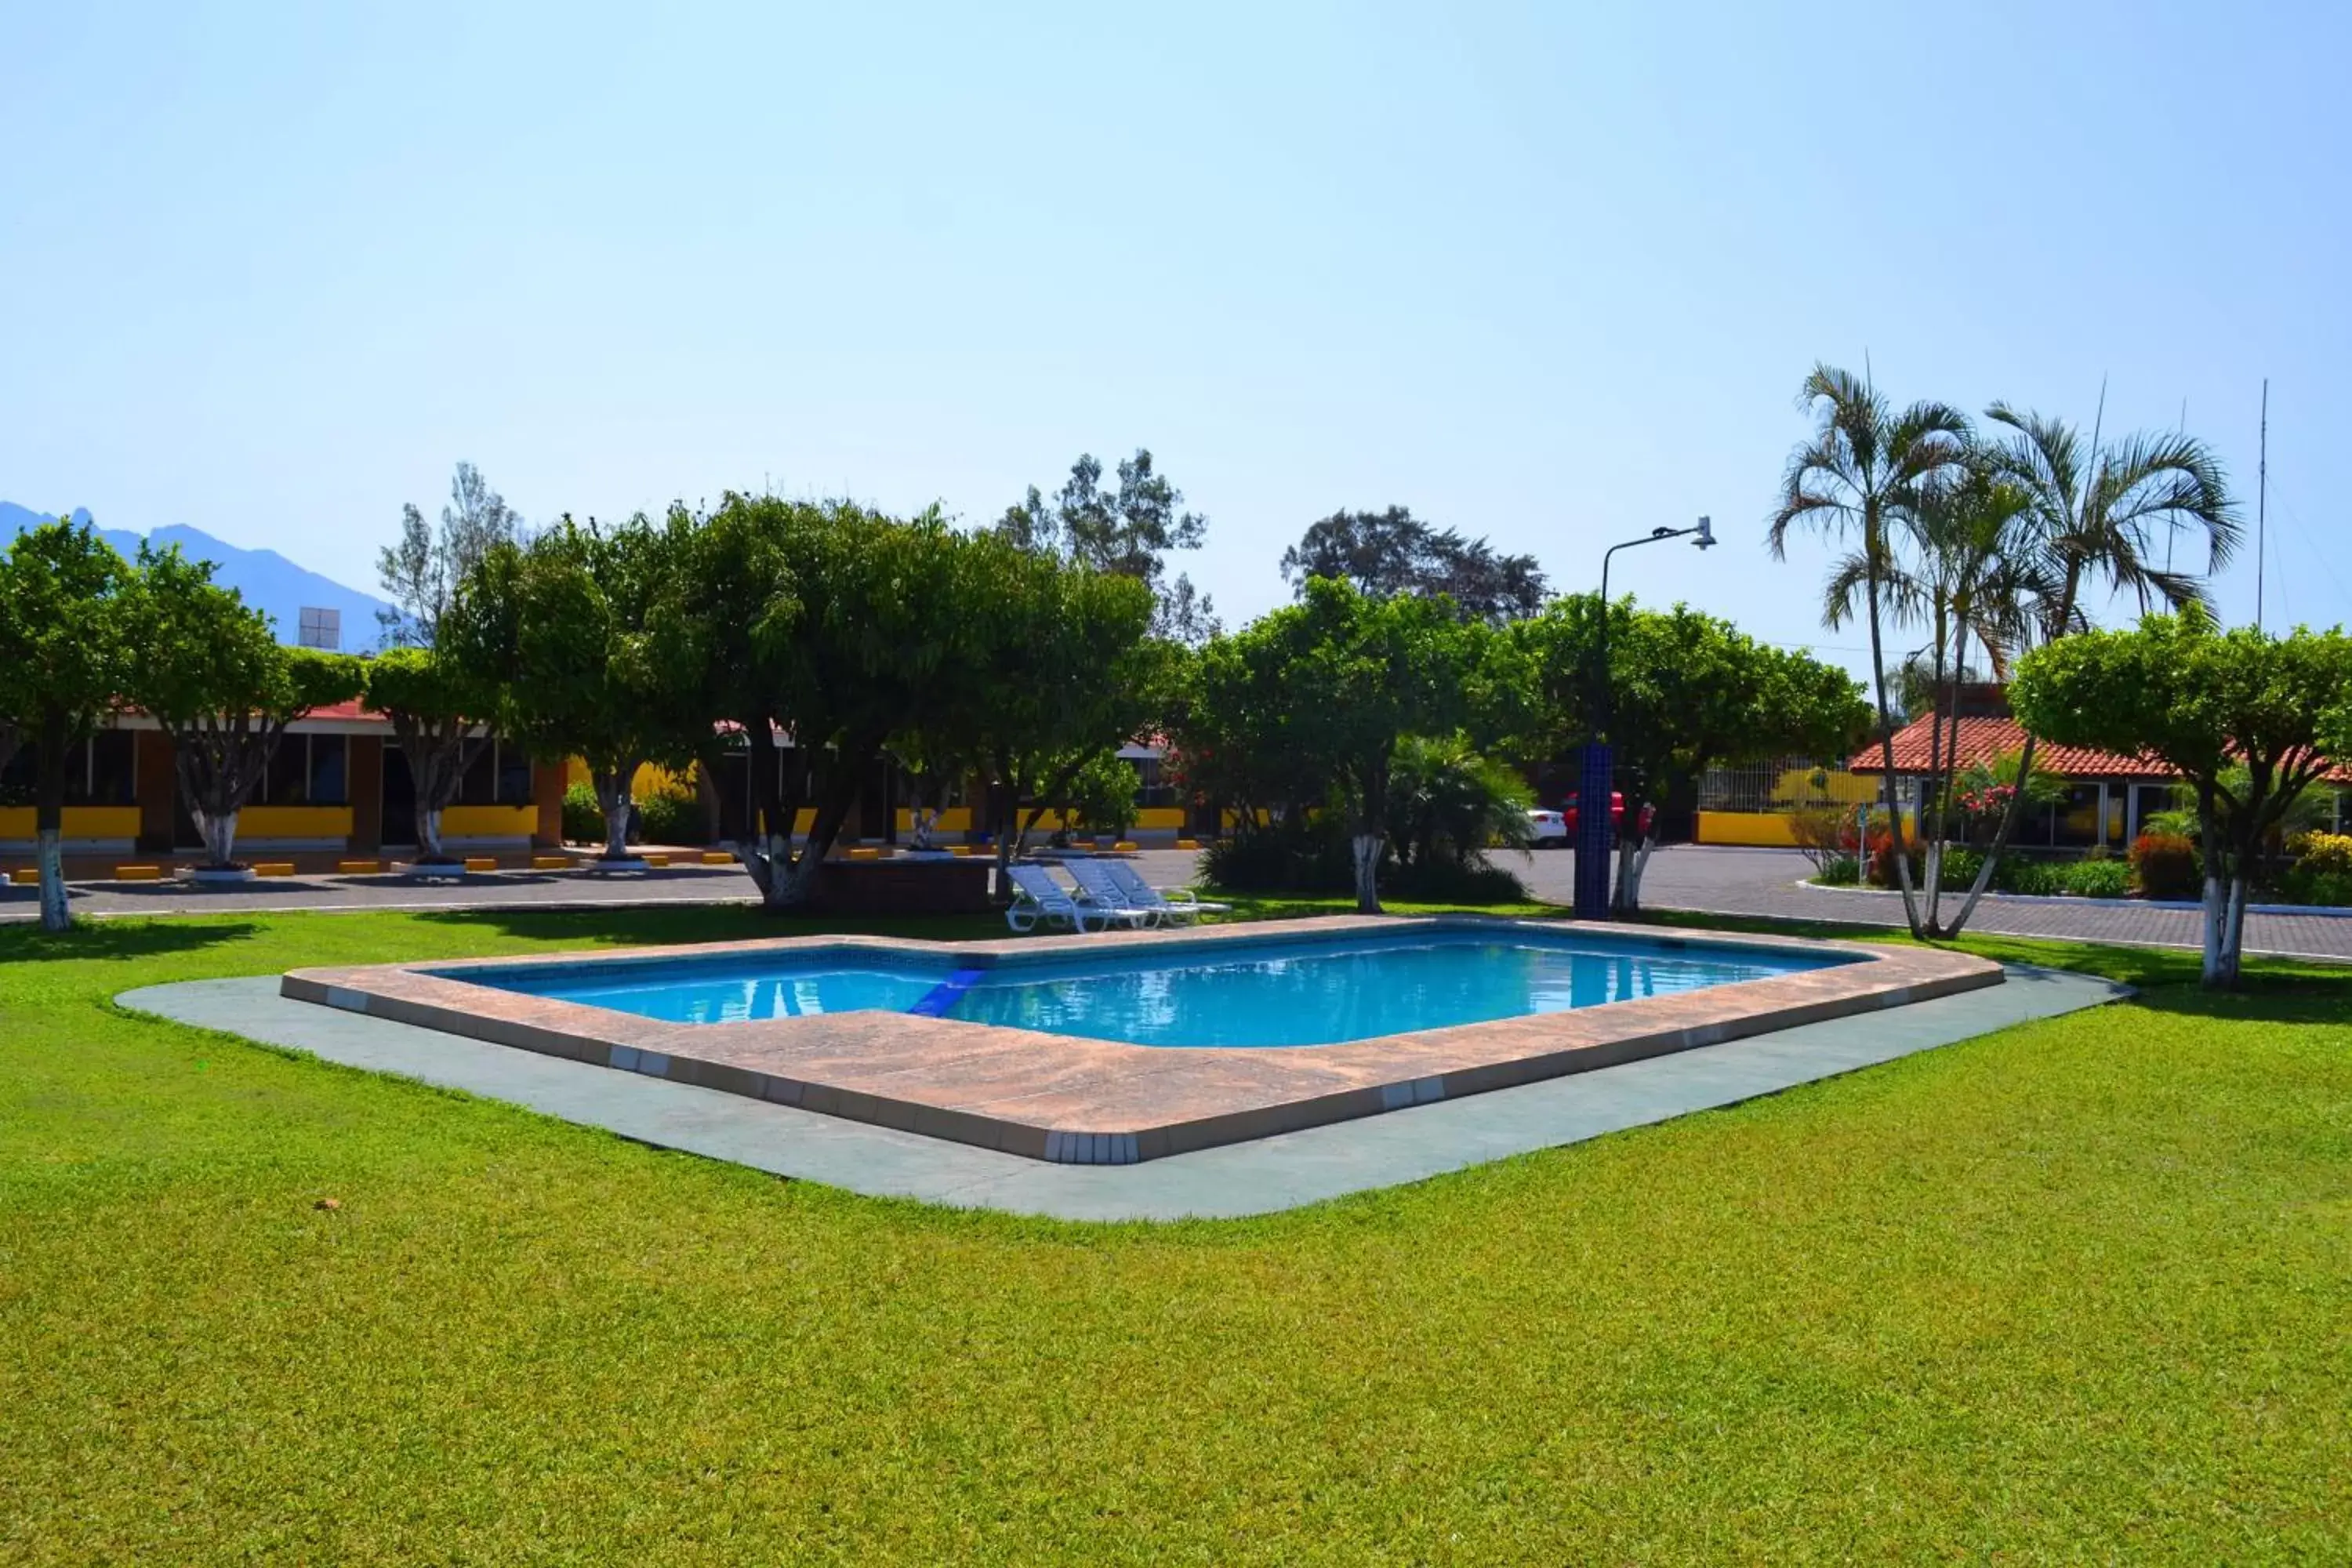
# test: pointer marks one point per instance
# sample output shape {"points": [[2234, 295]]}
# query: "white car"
{"points": [[1548, 830]]}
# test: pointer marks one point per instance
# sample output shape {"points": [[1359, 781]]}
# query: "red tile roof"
{"points": [[1983, 738]]}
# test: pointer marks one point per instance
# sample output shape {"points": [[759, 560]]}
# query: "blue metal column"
{"points": [[1596, 780]]}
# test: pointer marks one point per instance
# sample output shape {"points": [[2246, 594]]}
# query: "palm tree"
{"points": [[1855, 479], [2096, 514]]}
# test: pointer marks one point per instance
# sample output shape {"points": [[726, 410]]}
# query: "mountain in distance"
{"points": [[268, 580]]}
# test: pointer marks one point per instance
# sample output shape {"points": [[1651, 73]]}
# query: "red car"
{"points": [[1556, 829]]}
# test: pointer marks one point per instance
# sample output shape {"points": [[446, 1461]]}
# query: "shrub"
{"points": [[1439, 881], [671, 818], [2095, 879], [2325, 888], [2037, 878], [2165, 865], [1824, 834], [1288, 857], [583, 819], [2322, 854], [1839, 871]]}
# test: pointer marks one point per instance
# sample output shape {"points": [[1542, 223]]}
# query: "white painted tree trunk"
{"points": [[1365, 850], [2234, 930], [617, 806], [2216, 919], [924, 819], [428, 836], [219, 834], [50, 852]]}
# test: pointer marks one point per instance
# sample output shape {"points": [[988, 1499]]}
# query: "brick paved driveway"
{"points": [[1716, 880], [1702, 879]]}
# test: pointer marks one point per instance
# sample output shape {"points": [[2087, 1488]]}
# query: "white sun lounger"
{"points": [[1101, 890], [1175, 906], [1036, 896]]}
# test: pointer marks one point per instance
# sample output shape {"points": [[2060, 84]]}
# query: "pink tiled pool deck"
{"points": [[1086, 1101]]}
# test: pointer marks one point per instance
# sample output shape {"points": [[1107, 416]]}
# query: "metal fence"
{"points": [[1783, 784]]}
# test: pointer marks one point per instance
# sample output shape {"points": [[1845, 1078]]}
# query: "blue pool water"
{"points": [[1268, 992]]}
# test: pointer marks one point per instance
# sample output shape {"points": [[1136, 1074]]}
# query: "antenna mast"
{"points": [[2261, 505]]}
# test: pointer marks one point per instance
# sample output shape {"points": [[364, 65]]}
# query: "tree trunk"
{"points": [[428, 833], [1886, 741], [1365, 852], [612, 796], [2217, 914], [1632, 859], [1999, 840], [48, 823], [218, 830]]}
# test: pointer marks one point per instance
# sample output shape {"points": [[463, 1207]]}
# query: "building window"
{"points": [[514, 774], [288, 780], [106, 776], [330, 777]]}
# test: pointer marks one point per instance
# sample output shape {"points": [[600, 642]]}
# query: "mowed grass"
{"points": [[2079, 1290]]}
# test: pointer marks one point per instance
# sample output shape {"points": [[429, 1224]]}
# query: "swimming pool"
{"points": [[1267, 993], [1127, 1046]]}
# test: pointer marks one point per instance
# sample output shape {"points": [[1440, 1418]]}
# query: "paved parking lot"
{"points": [[1702, 879]]}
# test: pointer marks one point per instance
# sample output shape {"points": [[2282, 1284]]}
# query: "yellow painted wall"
{"points": [[294, 821], [1767, 828], [953, 819], [74, 822], [650, 780], [1796, 787], [1160, 817], [489, 821]]}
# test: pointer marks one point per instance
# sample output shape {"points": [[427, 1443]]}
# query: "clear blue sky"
{"points": [[1549, 274]]}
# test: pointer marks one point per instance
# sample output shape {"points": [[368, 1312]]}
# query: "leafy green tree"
{"points": [[1126, 532], [1102, 796], [209, 669], [2097, 513], [1063, 670], [1688, 691], [66, 634], [563, 626], [422, 573], [1331, 685], [1393, 551], [1852, 481], [824, 624], [441, 712], [2244, 717]]}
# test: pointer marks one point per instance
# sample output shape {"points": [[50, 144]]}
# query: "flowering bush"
{"points": [[2165, 865]]}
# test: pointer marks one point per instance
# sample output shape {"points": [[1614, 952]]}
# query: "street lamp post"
{"points": [[1597, 775]]}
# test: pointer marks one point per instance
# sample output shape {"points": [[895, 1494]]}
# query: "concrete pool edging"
{"points": [[1231, 1181], [1064, 1100]]}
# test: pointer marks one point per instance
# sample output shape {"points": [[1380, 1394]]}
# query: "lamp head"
{"points": [[1706, 539]]}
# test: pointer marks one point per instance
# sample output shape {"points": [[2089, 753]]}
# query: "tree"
{"points": [[1864, 464], [1961, 570], [1688, 691], [1064, 671], [441, 712], [422, 573], [563, 628], [834, 627], [211, 673], [66, 632], [1332, 685], [1125, 534], [1448, 801], [2094, 514], [1393, 551], [2244, 717]]}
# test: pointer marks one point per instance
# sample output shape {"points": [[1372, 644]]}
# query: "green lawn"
{"points": [[2081, 1289]]}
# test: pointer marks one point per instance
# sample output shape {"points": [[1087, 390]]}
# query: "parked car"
{"points": [[1556, 829]]}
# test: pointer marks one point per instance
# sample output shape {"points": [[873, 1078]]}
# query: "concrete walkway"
{"points": [[1266, 1176]]}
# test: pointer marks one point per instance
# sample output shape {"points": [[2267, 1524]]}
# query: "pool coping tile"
{"points": [[1066, 1099]]}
